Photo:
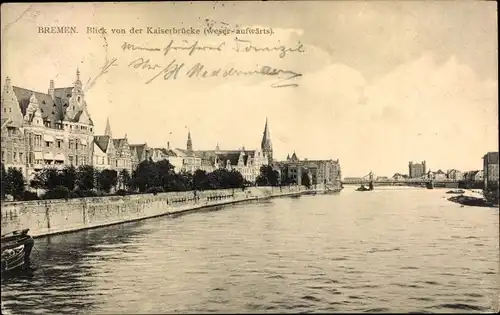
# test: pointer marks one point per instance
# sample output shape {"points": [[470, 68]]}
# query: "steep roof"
{"points": [[140, 150], [102, 142], [53, 110], [120, 143]]}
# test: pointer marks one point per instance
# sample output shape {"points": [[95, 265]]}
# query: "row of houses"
{"points": [[55, 129], [488, 175]]}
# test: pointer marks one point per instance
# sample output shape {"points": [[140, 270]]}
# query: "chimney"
{"points": [[51, 89], [168, 145]]}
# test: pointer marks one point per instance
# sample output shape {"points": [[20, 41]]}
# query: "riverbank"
{"points": [[50, 217], [473, 198]]}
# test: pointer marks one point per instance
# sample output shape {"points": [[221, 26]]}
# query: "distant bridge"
{"points": [[365, 180]]}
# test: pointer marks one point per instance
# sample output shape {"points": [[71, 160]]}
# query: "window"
{"points": [[38, 140], [47, 144], [76, 160], [70, 144], [59, 143], [14, 156], [70, 159], [76, 145], [3, 156]]}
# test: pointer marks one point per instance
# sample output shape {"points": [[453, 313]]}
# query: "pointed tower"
{"points": [[266, 145], [189, 144], [107, 131], [76, 101], [10, 105], [217, 149]]}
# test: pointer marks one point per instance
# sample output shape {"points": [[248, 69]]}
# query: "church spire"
{"points": [[78, 83], [266, 144], [107, 131], [189, 145]]}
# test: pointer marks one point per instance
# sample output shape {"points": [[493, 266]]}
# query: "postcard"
{"points": [[249, 157]]}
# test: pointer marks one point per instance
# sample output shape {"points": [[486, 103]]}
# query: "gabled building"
{"points": [[247, 162], [399, 176], [104, 150], [45, 129], [123, 155], [439, 175], [474, 176], [454, 174], [139, 153]]}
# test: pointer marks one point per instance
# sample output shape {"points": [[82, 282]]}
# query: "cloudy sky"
{"points": [[382, 83]]}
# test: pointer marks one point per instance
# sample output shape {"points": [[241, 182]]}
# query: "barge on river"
{"points": [[16, 250]]}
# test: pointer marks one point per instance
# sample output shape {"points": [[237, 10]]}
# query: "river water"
{"points": [[392, 249]]}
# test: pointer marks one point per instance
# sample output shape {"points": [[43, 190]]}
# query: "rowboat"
{"points": [[16, 249]]}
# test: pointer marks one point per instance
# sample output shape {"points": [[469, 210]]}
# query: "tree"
{"points": [[47, 178], [125, 178], [14, 181], [85, 177], [306, 180], [107, 179], [146, 176], [68, 177], [284, 179], [268, 176], [3, 187], [236, 179], [201, 180]]}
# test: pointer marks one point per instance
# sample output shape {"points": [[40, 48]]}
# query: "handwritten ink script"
{"points": [[173, 68], [198, 70], [239, 45]]}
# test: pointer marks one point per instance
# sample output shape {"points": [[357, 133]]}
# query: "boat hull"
{"points": [[16, 252]]}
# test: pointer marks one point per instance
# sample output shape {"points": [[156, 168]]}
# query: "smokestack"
{"points": [[168, 145]]}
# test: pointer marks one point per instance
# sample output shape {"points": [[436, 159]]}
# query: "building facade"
{"points": [[50, 129], [439, 175], [454, 175], [104, 151], [416, 170], [320, 172], [490, 170], [247, 162], [474, 176]]}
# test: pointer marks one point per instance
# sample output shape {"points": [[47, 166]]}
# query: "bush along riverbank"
{"points": [[149, 177], [486, 199]]}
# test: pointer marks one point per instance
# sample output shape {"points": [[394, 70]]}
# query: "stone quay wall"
{"points": [[48, 217]]}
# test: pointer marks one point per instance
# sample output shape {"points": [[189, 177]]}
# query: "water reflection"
{"points": [[405, 250], [62, 279]]}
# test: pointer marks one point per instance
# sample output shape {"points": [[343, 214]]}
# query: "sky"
{"points": [[382, 83]]}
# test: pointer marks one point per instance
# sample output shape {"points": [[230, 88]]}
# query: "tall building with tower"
{"points": [[266, 145], [416, 170], [247, 162], [45, 129]]}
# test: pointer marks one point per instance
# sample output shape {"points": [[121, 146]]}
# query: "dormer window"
{"points": [[78, 99]]}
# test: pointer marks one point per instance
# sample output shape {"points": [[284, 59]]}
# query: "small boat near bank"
{"points": [[16, 249]]}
